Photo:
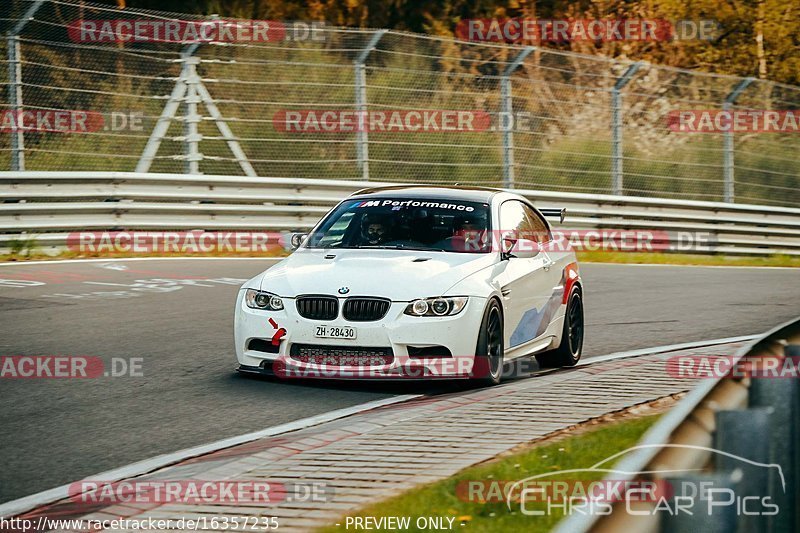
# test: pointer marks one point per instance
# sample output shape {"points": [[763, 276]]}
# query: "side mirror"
{"points": [[506, 247], [527, 248], [298, 239], [521, 248]]}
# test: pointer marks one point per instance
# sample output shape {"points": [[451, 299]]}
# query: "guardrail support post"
{"points": [[741, 433], [781, 396], [722, 520], [727, 141], [507, 113], [362, 138], [617, 185], [15, 87], [793, 351]]}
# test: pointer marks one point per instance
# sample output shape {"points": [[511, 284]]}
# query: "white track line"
{"points": [[686, 266], [22, 505], [666, 348], [62, 261]]}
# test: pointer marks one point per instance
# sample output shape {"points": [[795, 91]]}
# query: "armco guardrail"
{"points": [[47, 206], [737, 435]]}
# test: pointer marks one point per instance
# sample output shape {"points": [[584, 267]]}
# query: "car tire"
{"points": [[488, 365], [569, 351]]}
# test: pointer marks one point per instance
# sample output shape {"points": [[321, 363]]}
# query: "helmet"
{"points": [[374, 230], [472, 221], [469, 230]]}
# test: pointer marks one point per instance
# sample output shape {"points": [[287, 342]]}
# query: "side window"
{"points": [[513, 220], [538, 225]]}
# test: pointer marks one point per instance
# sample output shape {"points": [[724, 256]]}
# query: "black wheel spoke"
{"points": [[494, 343], [575, 325]]}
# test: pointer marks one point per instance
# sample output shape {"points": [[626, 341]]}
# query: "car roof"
{"points": [[464, 193]]}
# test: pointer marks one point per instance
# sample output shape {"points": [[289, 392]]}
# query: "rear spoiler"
{"points": [[555, 212]]}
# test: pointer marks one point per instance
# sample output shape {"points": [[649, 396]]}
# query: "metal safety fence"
{"points": [[41, 209], [549, 120]]}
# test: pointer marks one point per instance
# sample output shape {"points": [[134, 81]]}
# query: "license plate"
{"points": [[335, 332]]}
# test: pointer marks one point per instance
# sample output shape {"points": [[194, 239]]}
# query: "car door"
{"points": [[549, 276], [524, 284]]}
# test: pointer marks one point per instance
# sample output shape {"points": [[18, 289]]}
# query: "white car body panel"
{"points": [[530, 290], [389, 274]]}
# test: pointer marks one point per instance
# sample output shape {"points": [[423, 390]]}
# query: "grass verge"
{"points": [[687, 259], [441, 499]]}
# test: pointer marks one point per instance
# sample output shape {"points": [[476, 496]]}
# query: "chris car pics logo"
{"points": [[536, 497]]}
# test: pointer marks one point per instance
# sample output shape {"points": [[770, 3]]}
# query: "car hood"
{"points": [[401, 275]]}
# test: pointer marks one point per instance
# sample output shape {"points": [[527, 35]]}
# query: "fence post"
{"points": [[507, 111], [616, 128], [15, 103], [362, 139], [15, 87], [225, 130], [191, 135], [179, 92], [727, 141]]}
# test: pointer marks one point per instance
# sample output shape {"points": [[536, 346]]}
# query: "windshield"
{"points": [[401, 223]]}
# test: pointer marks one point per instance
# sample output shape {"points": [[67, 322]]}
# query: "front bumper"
{"points": [[397, 331]]}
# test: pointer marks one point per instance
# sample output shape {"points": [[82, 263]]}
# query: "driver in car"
{"points": [[469, 233], [374, 232]]}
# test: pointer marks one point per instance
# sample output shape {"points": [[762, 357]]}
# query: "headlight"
{"points": [[263, 300], [442, 306]]}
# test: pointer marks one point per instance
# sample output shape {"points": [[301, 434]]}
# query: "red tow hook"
{"points": [[276, 339]]}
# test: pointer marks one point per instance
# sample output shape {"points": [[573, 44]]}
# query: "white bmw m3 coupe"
{"points": [[415, 282]]}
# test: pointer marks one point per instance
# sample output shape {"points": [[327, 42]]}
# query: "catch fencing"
{"points": [[555, 121]]}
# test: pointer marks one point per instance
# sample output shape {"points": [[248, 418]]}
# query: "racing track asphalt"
{"points": [[57, 431]]}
